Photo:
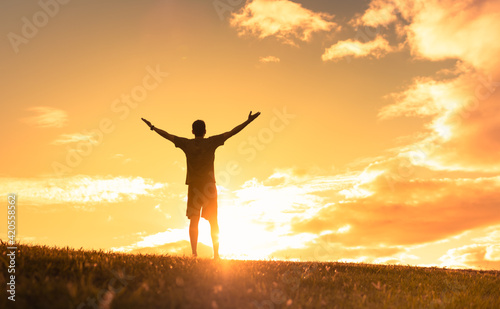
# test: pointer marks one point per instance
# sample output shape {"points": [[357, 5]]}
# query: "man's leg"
{"points": [[214, 230], [193, 233]]}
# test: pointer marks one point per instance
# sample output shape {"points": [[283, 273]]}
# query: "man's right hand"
{"points": [[147, 122], [252, 117]]}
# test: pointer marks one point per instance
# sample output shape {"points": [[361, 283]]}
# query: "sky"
{"points": [[378, 142]]}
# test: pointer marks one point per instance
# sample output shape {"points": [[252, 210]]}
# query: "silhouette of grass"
{"points": [[50, 277]]}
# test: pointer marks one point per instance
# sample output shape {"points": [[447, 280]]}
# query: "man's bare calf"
{"points": [[193, 235]]}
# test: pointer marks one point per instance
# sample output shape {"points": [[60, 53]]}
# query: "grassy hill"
{"points": [[64, 278]]}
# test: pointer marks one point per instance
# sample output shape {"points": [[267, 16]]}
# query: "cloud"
{"points": [[73, 138], [308, 216], [85, 190], [463, 120], [407, 211], [46, 117], [377, 48], [314, 219], [158, 239], [425, 97], [379, 13], [269, 59], [438, 30], [286, 20], [172, 241], [480, 256], [455, 29], [121, 157], [401, 212], [460, 104], [263, 207], [445, 180]]}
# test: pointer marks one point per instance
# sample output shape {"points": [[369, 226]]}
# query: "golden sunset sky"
{"points": [[379, 139]]}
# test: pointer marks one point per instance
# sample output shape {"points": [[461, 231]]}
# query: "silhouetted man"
{"points": [[200, 178]]}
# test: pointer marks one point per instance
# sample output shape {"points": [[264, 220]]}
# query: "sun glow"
{"points": [[253, 223], [238, 234]]}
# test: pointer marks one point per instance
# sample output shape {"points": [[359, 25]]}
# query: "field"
{"points": [[49, 277]]}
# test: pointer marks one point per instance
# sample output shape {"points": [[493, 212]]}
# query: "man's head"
{"points": [[199, 129]]}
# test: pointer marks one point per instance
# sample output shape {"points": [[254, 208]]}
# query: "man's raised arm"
{"points": [[166, 135], [240, 127]]}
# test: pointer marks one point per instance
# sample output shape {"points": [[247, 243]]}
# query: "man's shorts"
{"points": [[202, 196]]}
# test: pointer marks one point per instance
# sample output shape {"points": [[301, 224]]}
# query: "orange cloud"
{"points": [[379, 13], [269, 59], [464, 122], [460, 104], [264, 207], [73, 138], [377, 48], [481, 256], [47, 117], [411, 211], [309, 217], [425, 97], [87, 190], [445, 180], [439, 30], [401, 212], [286, 20], [455, 29]]}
